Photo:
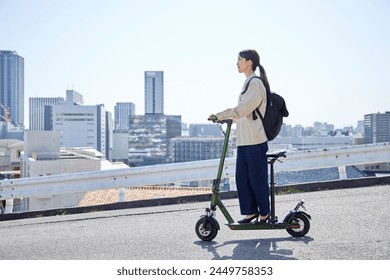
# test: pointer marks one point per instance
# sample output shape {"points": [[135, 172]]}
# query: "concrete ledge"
{"points": [[307, 187], [337, 184]]}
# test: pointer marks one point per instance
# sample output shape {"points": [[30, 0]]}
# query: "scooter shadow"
{"points": [[254, 249]]}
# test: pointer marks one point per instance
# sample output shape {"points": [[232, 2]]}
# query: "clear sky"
{"points": [[330, 60]]}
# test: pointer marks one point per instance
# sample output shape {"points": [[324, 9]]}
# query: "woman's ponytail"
{"points": [[263, 76]]}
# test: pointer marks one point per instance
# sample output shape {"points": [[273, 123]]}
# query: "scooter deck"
{"points": [[254, 226]]}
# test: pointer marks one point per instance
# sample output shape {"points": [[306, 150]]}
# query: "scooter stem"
{"points": [[217, 181]]}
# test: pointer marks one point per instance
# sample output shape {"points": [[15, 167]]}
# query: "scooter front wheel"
{"points": [[299, 225], [207, 229]]}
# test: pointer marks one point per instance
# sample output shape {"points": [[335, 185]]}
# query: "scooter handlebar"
{"points": [[215, 120]]}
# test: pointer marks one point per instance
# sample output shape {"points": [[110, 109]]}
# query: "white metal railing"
{"points": [[183, 172]]}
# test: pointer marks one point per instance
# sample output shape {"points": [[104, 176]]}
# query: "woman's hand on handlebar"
{"points": [[213, 118]]}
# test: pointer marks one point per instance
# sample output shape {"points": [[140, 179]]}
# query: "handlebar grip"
{"points": [[214, 119]]}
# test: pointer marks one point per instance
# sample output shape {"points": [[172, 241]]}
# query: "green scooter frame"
{"points": [[296, 222]]}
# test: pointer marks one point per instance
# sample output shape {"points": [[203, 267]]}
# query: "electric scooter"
{"points": [[296, 222]]}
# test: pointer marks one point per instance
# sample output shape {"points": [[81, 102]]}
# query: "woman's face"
{"points": [[243, 65]]}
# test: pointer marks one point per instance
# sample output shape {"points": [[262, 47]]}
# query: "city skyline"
{"points": [[153, 102], [130, 111], [328, 59], [120, 106]]}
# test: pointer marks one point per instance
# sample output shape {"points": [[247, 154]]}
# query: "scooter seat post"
{"points": [[272, 189]]}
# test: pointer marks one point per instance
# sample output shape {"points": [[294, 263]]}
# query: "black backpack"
{"points": [[275, 111]]}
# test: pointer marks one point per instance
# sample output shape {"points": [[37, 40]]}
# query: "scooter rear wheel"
{"points": [[207, 232], [304, 225]]}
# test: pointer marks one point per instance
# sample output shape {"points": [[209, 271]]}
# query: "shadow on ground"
{"points": [[254, 249]]}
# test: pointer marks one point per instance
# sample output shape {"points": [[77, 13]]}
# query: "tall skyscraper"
{"points": [[154, 92], [12, 86], [122, 113], [377, 128], [37, 111]]}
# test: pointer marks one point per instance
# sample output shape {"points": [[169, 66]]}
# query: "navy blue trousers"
{"points": [[252, 179]]}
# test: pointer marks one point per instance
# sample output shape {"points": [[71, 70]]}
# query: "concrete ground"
{"points": [[347, 224]]}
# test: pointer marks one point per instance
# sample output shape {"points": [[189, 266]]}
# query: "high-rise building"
{"points": [[12, 86], [109, 135], [122, 113], [193, 149], [81, 126], [377, 128], [149, 138], [37, 111], [204, 130], [154, 92]]}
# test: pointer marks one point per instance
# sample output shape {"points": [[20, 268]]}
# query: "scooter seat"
{"points": [[276, 154]]}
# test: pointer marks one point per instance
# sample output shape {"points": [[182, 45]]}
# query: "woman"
{"points": [[251, 165]]}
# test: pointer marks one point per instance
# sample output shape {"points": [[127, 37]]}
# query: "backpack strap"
{"points": [[247, 84], [254, 116]]}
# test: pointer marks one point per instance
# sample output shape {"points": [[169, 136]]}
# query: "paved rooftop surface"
{"points": [[349, 224]]}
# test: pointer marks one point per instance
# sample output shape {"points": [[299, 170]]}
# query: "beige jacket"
{"points": [[249, 131]]}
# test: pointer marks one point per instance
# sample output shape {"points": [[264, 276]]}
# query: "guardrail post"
{"points": [[343, 172], [122, 195], [232, 183], [9, 206]]}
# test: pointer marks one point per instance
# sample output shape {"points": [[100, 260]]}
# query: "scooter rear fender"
{"points": [[290, 216]]}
